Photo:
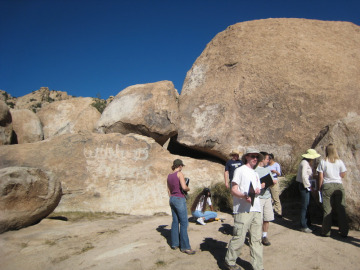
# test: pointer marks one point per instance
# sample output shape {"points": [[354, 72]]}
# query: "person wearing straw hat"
{"points": [[304, 175], [245, 188], [230, 167]]}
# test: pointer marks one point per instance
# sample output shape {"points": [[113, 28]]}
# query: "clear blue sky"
{"points": [[100, 47]]}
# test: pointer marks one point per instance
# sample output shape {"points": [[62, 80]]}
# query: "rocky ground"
{"points": [[139, 242]]}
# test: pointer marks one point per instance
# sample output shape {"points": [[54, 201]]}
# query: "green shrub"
{"points": [[99, 104], [11, 104]]}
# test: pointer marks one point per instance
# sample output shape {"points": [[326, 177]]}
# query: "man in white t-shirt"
{"points": [[247, 213]]}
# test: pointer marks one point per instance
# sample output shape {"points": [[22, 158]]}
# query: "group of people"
{"points": [[253, 183]]}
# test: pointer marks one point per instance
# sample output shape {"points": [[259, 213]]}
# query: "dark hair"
{"points": [[205, 193], [271, 156], [173, 167]]}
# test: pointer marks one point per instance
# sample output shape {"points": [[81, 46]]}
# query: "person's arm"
{"points": [[305, 175], [237, 193], [342, 174], [226, 177], [321, 179], [168, 189], [210, 204], [180, 175]]}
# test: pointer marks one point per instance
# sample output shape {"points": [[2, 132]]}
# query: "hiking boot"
{"points": [[201, 221], [265, 241], [306, 230]]}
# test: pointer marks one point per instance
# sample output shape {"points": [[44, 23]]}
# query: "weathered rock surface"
{"points": [[27, 126], [146, 109], [271, 84], [68, 116], [6, 127], [109, 172], [39, 98], [345, 135], [27, 195]]}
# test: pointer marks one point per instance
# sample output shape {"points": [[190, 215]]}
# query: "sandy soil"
{"points": [[133, 242]]}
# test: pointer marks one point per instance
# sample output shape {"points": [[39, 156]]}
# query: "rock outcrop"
{"points": [[109, 172], [6, 128], [27, 195], [27, 126], [146, 109], [345, 135], [271, 84], [39, 98], [68, 116]]}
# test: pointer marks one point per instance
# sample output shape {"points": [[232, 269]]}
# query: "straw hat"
{"points": [[234, 152], [311, 154]]}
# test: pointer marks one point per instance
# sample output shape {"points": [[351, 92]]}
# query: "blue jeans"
{"points": [[207, 214], [305, 200], [179, 215]]}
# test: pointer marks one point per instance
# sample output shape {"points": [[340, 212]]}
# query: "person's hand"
{"points": [[248, 199], [227, 185], [257, 191]]}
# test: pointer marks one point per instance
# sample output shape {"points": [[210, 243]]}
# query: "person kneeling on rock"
{"points": [[199, 206]]}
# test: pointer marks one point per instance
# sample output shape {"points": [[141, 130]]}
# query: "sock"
{"points": [[264, 234]]}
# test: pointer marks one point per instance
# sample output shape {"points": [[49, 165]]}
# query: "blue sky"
{"points": [[99, 47]]}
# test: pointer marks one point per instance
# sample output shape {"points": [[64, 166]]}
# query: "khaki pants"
{"points": [[244, 222], [334, 197], [275, 195]]}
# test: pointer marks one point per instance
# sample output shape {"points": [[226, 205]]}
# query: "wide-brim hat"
{"points": [[178, 162], [234, 152], [251, 151], [311, 154]]}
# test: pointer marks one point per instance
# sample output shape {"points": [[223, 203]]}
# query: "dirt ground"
{"points": [[138, 242]]}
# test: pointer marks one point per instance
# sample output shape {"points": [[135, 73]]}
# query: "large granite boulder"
{"points": [[27, 195], [344, 134], [68, 116], [27, 126], [271, 84], [109, 172], [6, 128], [147, 109]]}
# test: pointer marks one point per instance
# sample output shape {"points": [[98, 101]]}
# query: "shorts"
{"points": [[267, 209]]}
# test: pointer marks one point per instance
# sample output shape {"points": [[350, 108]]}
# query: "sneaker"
{"points": [[201, 221], [265, 241], [306, 230], [232, 267]]}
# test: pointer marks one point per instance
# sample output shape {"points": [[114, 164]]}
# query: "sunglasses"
{"points": [[254, 156]]}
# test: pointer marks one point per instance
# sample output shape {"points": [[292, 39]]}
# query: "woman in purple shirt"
{"points": [[176, 180]]}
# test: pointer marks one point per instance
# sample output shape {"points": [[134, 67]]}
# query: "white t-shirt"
{"points": [[242, 177], [201, 203], [331, 171]]}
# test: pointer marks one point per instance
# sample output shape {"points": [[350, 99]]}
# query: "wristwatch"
{"points": [[246, 195]]}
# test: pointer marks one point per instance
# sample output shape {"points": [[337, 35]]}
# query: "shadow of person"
{"points": [[166, 233], [217, 249], [226, 229]]}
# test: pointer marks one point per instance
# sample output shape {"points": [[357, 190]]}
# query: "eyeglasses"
{"points": [[253, 156]]}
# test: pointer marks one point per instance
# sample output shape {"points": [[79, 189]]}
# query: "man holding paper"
{"points": [[247, 212], [266, 180]]}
